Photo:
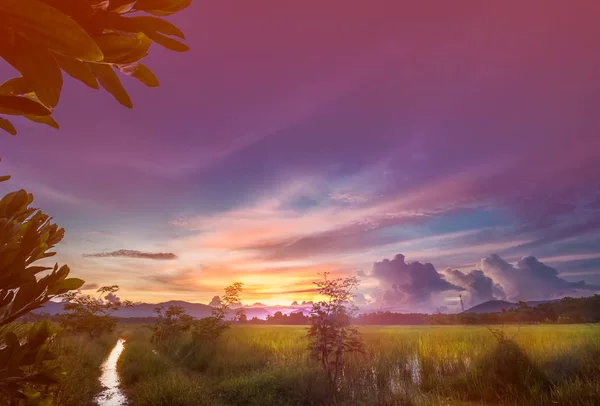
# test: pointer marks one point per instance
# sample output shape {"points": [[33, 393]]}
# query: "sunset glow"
{"points": [[272, 153]]}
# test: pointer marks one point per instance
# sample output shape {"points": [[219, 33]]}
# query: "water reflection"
{"points": [[111, 395]]}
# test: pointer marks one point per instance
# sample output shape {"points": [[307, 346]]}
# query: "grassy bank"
{"points": [[81, 359], [269, 365]]}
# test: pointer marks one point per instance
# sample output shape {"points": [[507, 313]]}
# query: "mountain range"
{"points": [[199, 310]]}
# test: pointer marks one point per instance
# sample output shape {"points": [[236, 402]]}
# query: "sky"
{"points": [[436, 149]]}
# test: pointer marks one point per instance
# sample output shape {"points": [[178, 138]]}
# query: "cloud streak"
{"points": [[157, 256]]}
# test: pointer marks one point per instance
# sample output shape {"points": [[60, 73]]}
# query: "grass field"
{"points": [[270, 365], [80, 358]]}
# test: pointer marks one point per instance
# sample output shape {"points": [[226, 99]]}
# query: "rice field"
{"points": [[431, 365]]}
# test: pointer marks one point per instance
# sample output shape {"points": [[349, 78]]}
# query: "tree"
{"points": [[89, 40], [171, 322], [26, 236], [331, 333], [211, 328], [241, 316], [89, 314]]}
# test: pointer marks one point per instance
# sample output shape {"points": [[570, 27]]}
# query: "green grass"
{"points": [[81, 359], [441, 365]]}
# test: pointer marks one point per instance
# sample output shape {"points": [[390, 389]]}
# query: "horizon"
{"points": [[270, 159]]}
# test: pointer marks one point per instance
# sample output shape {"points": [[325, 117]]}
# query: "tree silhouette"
{"points": [[331, 333]]}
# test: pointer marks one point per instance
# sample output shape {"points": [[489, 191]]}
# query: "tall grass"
{"points": [[81, 359], [445, 365]]}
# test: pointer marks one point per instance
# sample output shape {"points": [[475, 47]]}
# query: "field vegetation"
{"points": [[425, 365]]}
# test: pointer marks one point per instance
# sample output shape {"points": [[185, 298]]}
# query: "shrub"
{"points": [[26, 236], [91, 315]]}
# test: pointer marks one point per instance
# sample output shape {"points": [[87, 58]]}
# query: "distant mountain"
{"points": [[492, 306], [142, 310], [197, 310], [496, 306]]}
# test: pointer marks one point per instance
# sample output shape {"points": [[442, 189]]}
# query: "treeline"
{"points": [[566, 310]]}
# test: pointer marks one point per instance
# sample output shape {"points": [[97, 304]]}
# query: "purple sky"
{"points": [[300, 137]]}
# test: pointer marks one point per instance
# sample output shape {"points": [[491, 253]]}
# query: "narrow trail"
{"points": [[111, 394]]}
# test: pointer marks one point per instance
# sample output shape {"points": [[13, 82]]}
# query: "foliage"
{"points": [[90, 40], [171, 322], [210, 328], [91, 315], [26, 236], [331, 333]]}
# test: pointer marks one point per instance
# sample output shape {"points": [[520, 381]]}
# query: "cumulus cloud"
{"points": [[133, 254], [478, 287], [530, 279], [414, 282], [112, 298], [360, 300]]}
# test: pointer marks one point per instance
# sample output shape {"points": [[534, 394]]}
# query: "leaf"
{"points": [[99, 4], [25, 294], [161, 7], [48, 120], [4, 178], [116, 47], [167, 42], [141, 73], [16, 86], [125, 6], [44, 25], [8, 127], [38, 67], [78, 70], [39, 333], [17, 105], [137, 51], [66, 285], [155, 24], [110, 81]]}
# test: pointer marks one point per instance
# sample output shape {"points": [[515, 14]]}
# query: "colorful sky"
{"points": [[302, 137]]}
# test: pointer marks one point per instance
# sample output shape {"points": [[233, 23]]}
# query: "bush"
{"points": [[91, 315]]}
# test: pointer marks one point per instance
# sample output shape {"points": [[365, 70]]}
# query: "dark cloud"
{"points": [[595, 204], [560, 233], [530, 279], [478, 287], [89, 286], [414, 282], [133, 254]]}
